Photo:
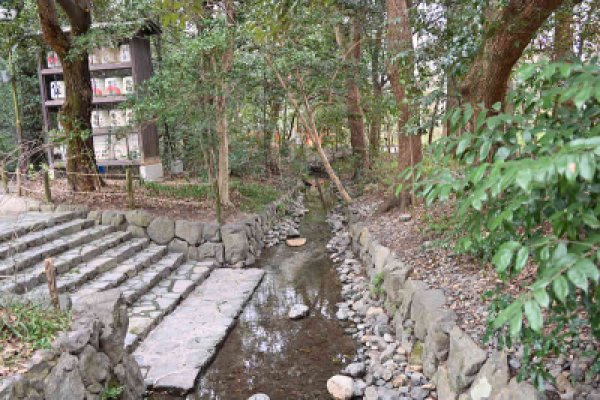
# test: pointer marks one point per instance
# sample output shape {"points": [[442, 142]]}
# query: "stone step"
{"points": [[26, 259], [151, 307], [39, 237], [125, 270], [135, 287], [182, 345], [31, 222], [87, 270], [34, 276]]}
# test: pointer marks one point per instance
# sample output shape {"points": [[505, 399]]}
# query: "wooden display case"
{"points": [[116, 145]]}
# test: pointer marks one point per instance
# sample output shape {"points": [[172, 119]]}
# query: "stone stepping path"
{"points": [[85, 271], [28, 258], [31, 222], [182, 345], [39, 237], [151, 307], [125, 270]]}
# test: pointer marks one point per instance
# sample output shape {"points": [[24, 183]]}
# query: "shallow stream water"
{"points": [[268, 353]]}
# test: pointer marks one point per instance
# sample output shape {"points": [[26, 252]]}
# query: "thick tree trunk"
{"points": [[351, 54], [400, 40], [76, 111], [506, 38], [271, 164]]}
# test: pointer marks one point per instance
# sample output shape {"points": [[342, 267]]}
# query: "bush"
{"points": [[527, 187]]}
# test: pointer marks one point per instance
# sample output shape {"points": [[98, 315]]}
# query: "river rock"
{"points": [[298, 311], [340, 387], [259, 396], [355, 370], [296, 242], [64, 382], [161, 230]]}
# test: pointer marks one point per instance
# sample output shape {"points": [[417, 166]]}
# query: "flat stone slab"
{"points": [[183, 344]]}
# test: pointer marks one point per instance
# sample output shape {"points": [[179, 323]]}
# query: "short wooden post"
{"points": [[50, 271], [4, 179], [19, 187], [47, 191], [129, 182]]}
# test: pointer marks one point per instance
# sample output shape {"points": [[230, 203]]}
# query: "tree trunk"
{"points": [[76, 111], [377, 83], [271, 164], [563, 33], [351, 53], [505, 39], [400, 40], [221, 108]]}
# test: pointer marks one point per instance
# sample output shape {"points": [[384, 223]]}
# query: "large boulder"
{"points": [[211, 233], [405, 296], [110, 308], [178, 246], [130, 377], [492, 377], [94, 367], [139, 218], [161, 230], [64, 382], [443, 386], [190, 231], [207, 251], [113, 218], [464, 360], [395, 274], [518, 391], [235, 242], [424, 307]]}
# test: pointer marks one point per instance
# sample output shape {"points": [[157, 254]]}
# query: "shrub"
{"points": [[527, 188]]}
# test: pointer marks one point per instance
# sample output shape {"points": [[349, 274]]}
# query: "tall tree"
{"points": [[401, 77], [76, 111], [350, 46], [563, 32], [507, 34], [378, 81], [224, 66]]}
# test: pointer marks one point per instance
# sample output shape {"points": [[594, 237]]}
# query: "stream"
{"points": [[267, 352]]}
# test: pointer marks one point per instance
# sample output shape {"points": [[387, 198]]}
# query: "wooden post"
{"points": [[129, 183], [18, 172], [4, 178], [47, 191], [50, 271]]}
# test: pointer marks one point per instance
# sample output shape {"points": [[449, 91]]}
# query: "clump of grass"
{"points": [[200, 191], [377, 284], [30, 324], [255, 195]]}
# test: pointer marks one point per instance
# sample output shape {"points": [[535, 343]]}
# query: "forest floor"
{"points": [[420, 243], [175, 197]]}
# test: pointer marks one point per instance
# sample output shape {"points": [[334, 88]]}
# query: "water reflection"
{"points": [[266, 352]]}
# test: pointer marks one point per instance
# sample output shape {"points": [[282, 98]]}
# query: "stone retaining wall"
{"points": [[236, 244], [459, 368], [84, 362]]}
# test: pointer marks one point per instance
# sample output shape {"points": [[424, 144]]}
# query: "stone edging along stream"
{"points": [[418, 323]]}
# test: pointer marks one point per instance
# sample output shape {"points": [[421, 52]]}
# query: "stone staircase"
{"points": [[90, 258], [179, 311]]}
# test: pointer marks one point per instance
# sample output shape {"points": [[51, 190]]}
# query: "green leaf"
{"points": [[524, 178], [521, 259], [587, 167], [516, 323], [587, 268], [590, 219], [502, 153], [504, 255], [578, 278], [534, 315], [541, 296], [462, 145], [560, 288], [484, 150]]}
